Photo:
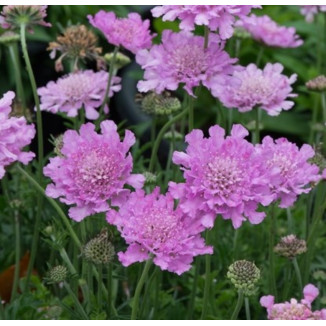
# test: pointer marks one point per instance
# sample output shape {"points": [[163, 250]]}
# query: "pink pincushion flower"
{"points": [[324, 174], [251, 87], [310, 11], [15, 134], [215, 17], [294, 310], [152, 226], [290, 172], [131, 33], [92, 169], [82, 89], [182, 59], [222, 176], [266, 30]]}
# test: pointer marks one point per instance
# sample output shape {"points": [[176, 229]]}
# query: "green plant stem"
{"points": [[99, 288], [109, 286], [194, 289], [297, 272], [271, 252], [260, 55], [238, 306], [207, 280], [191, 114], [257, 126], [135, 303], [206, 37], [160, 136], [247, 307], [76, 301]]}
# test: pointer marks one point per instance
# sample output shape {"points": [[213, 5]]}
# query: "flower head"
{"points": [[317, 84], [251, 87], [310, 11], [213, 16], [94, 169], [152, 226], [13, 16], [131, 33], [266, 30], [182, 59], [290, 247], [294, 310], [82, 89], [222, 176], [57, 274], [291, 174], [15, 134]]}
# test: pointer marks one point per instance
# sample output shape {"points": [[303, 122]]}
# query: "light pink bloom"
{"points": [[290, 172], [266, 30], [324, 174], [222, 176], [15, 134], [77, 91], [294, 310], [220, 18], [92, 169], [152, 226], [310, 11], [251, 87], [182, 59], [131, 33]]}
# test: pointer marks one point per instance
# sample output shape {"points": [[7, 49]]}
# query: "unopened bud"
{"points": [[58, 274], [120, 61], [317, 84]]}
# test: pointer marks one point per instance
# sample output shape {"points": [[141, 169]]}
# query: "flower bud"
{"points": [[290, 247], [8, 38], [150, 178], [57, 274], [317, 84], [58, 143], [177, 136], [120, 61]]}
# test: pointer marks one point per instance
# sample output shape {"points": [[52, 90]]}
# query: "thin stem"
{"points": [[207, 281], [109, 286], [191, 114], [99, 288], [194, 289], [297, 272], [247, 307], [238, 306], [257, 126], [260, 56], [290, 220], [77, 303], [135, 303], [206, 37], [271, 252]]}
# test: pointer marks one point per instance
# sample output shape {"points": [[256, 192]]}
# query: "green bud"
{"points": [[169, 136], [121, 60], [150, 178], [8, 38], [57, 274]]}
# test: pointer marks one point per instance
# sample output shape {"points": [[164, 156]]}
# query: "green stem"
{"points": [[206, 37], [238, 306], [271, 252], [135, 303], [290, 220], [260, 56], [298, 273], [99, 288], [257, 126], [77, 303], [160, 136], [191, 114], [207, 281], [109, 286], [194, 289], [247, 307]]}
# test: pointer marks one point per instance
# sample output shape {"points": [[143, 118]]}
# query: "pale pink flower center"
{"points": [[76, 86], [256, 85], [280, 160]]}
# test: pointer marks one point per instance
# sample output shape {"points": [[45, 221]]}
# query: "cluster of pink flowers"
{"points": [[182, 59], [231, 177], [15, 134], [92, 169], [215, 17], [78, 90], [153, 227], [310, 11], [131, 33], [265, 30], [294, 310], [252, 87]]}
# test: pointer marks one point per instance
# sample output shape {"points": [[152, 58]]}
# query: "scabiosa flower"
{"points": [[214, 17], [317, 84], [182, 59], [15, 15], [222, 176], [266, 30], [290, 246], [310, 11], [294, 310], [290, 171], [81, 89], [152, 227], [15, 134], [93, 169], [251, 87], [131, 33]]}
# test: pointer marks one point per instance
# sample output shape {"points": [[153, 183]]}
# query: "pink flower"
{"points": [[294, 310], [131, 33], [222, 176], [310, 11], [251, 87], [92, 169], [15, 134], [266, 30], [82, 89], [215, 17], [182, 59], [152, 226], [290, 172]]}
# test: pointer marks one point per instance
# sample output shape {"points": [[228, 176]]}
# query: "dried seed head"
{"points": [[317, 84], [290, 247], [57, 274], [244, 275], [120, 61]]}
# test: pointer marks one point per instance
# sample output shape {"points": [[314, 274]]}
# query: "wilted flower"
{"points": [[251, 87], [182, 59], [94, 169], [131, 33], [14, 16], [244, 275], [15, 134], [57, 274], [152, 227], [76, 43], [310, 11], [73, 92], [317, 84], [220, 18], [264, 29], [294, 310], [222, 176], [290, 247]]}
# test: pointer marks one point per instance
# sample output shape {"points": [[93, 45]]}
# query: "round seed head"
{"points": [[290, 247]]}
